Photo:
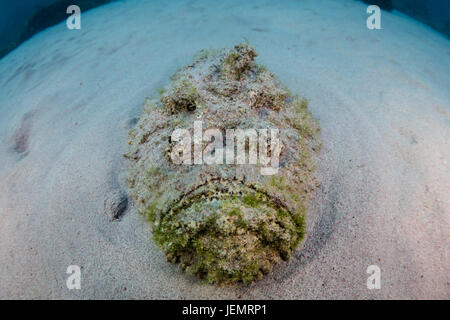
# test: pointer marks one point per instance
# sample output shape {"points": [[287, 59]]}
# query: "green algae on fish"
{"points": [[224, 223]]}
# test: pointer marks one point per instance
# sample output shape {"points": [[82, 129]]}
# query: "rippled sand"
{"points": [[68, 99]]}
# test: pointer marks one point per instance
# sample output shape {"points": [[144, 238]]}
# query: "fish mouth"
{"points": [[221, 188], [227, 230]]}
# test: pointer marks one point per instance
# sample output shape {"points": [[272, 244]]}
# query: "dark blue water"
{"points": [[435, 13], [20, 20]]}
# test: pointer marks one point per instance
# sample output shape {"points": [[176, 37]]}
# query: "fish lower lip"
{"points": [[219, 188], [228, 230]]}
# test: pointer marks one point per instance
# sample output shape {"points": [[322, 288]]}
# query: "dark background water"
{"points": [[435, 13], [20, 20]]}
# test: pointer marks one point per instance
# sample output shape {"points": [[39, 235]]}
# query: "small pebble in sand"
{"points": [[116, 203]]}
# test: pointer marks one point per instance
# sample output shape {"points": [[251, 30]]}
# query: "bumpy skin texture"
{"points": [[224, 223]]}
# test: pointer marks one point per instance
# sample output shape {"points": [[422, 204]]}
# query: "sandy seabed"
{"points": [[69, 97]]}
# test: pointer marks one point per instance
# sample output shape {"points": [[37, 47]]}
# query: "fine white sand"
{"points": [[68, 99]]}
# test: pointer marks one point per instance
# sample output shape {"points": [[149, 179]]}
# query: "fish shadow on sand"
{"points": [[321, 233]]}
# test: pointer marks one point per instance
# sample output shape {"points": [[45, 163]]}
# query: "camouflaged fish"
{"points": [[224, 222]]}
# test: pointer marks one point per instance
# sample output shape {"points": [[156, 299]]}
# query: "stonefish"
{"points": [[224, 221]]}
